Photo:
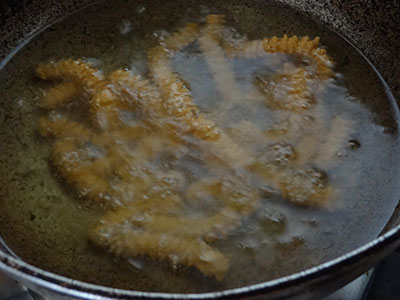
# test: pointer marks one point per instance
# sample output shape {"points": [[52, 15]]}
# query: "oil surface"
{"points": [[45, 224]]}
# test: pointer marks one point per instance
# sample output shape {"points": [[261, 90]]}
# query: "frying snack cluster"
{"points": [[116, 157]]}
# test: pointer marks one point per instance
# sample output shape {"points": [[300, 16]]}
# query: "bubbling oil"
{"points": [[45, 223]]}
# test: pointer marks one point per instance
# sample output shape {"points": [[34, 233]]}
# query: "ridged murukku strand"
{"points": [[164, 225], [218, 62], [177, 101], [287, 91], [304, 47], [188, 252], [60, 94], [71, 70]]}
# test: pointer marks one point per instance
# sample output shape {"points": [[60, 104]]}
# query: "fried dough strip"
{"points": [[183, 37], [169, 218], [92, 176], [216, 59], [70, 164], [134, 182], [111, 232], [105, 109], [339, 132], [305, 187], [289, 45], [163, 225], [312, 133], [135, 92], [81, 76], [176, 96], [87, 177], [178, 251], [178, 102], [62, 128], [60, 94], [76, 71], [301, 186], [237, 200], [288, 91], [304, 47]]}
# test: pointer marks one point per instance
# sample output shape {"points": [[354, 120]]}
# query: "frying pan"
{"points": [[372, 25]]}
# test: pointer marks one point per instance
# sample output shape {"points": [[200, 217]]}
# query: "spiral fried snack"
{"points": [[87, 159], [177, 101], [114, 160], [217, 61], [60, 94], [304, 47], [287, 91], [294, 86], [77, 76]]}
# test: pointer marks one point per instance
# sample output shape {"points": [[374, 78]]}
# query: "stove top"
{"points": [[381, 283]]}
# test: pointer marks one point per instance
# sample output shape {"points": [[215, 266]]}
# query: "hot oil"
{"points": [[45, 223]]}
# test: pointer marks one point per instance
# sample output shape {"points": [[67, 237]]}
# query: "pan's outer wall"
{"points": [[371, 24]]}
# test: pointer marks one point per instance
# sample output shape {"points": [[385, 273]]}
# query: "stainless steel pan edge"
{"points": [[371, 25], [310, 284]]}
